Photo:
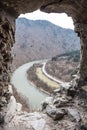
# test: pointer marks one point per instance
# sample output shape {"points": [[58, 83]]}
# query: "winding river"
{"points": [[20, 81]]}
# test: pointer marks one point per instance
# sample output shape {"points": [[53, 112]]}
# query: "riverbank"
{"points": [[23, 86], [42, 82], [21, 99], [66, 106], [42, 90]]}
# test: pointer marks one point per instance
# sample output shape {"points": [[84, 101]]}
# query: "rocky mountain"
{"points": [[41, 39]]}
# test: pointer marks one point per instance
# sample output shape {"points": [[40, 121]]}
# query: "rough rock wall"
{"points": [[6, 42], [77, 9], [10, 9], [81, 29]]}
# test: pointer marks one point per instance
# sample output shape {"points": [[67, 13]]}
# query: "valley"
{"points": [[47, 65], [40, 39]]}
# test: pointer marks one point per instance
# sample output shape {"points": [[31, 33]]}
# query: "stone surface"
{"points": [[10, 89], [69, 6], [28, 121], [55, 113], [65, 86], [65, 118], [60, 101], [9, 11], [74, 114], [38, 124], [18, 107], [59, 6], [6, 42], [1, 118], [11, 109], [56, 91], [47, 101], [69, 89]]}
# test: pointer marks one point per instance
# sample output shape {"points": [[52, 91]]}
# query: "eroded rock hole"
{"points": [[69, 112], [40, 40]]}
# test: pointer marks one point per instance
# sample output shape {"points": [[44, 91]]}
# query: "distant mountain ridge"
{"points": [[41, 39]]}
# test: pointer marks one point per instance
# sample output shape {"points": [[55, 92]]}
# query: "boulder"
{"points": [[55, 113], [60, 101], [57, 91], [10, 89], [69, 89], [11, 109], [47, 101], [28, 121], [18, 107], [65, 86], [74, 114], [38, 124]]}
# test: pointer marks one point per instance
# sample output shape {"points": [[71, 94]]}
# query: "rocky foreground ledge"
{"points": [[18, 120], [66, 109]]}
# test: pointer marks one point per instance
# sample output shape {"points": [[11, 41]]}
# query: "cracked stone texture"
{"points": [[74, 8], [6, 42], [74, 112], [9, 11], [71, 116]]}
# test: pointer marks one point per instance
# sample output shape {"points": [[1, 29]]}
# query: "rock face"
{"points": [[81, 29], [56, 114], [58, 6], [9, 11], [69, 116], [6, 42], [74, 114], [15, 119], [63, 107]]}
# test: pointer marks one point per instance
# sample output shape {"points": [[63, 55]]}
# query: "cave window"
{"points": [[39, 39]]}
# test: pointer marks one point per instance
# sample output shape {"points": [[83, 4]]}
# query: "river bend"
{"points": [[20, 81]]}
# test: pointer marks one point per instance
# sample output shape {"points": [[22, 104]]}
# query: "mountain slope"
{"points": [[41, 39]]}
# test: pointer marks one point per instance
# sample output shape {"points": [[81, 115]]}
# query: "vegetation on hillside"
{"points": [[40, 39], [73, 55], [64, 66]]}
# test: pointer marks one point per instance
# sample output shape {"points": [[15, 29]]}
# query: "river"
{"points": [[22, 84]]}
